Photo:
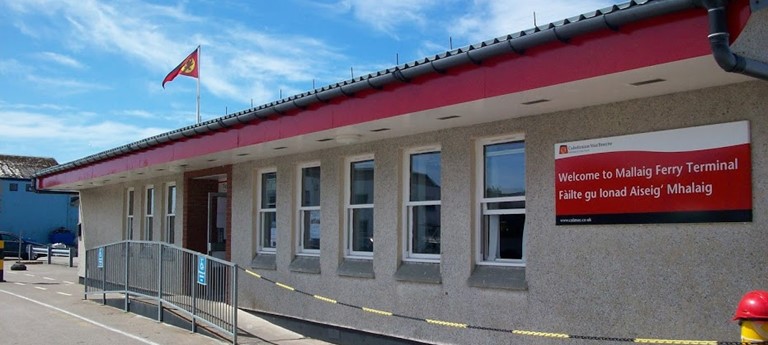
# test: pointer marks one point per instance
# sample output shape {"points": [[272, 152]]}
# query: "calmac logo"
{"points": [[563, 149]]}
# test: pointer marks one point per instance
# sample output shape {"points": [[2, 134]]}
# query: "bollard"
{"points": [[752, 314], [2, 258]]}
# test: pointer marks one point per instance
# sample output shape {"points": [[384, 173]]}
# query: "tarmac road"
{"points": [[44, 305]]}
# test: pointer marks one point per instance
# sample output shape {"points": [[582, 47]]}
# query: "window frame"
{"points": [[149, 213], [408, 254], [130, 213], [300, 250], [481, 205], [261, 211], [349, 207], [170, 212]]}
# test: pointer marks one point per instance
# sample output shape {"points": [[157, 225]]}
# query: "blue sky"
{"points": [[78, 77]]}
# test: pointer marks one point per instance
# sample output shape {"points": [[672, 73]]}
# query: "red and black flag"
{"points": [[189, 67]]}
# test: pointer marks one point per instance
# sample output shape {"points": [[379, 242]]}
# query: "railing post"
{"points": [[194, 295], [104, 278], [50, 253], [234, 304], [71, 251], [160, 283], [85, 278], [127, 274]]}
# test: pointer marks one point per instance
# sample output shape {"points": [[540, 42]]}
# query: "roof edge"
{"points": [[611, 18]]}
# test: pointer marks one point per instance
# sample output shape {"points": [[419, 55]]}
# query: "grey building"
{"points": [[455, 188]]}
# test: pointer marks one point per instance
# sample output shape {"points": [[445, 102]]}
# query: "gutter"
{"points": [[719, 40], [611, 18]]}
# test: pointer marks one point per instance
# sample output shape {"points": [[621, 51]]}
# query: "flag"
{"points": [[189, 67]]}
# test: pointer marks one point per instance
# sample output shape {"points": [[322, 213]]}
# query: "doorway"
{"points": [[207, 216], [217, 225]]}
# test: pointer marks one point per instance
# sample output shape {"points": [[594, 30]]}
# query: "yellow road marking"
{"points": [[446, 323], [376, 311], [284, 286], [542, 334], [325, 299]]}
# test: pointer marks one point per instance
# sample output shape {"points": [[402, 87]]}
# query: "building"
{"points": [[30, 213], [598, 176]]}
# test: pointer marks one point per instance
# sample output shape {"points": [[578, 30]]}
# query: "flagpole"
{"points": [[198, 83]]}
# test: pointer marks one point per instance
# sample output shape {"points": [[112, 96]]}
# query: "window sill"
{"points": [[265, 261], [305, 264], [428, 273], [498, 277], [356, 268]]}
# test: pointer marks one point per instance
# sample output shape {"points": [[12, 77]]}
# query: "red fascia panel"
{"points": [[659, 40]]}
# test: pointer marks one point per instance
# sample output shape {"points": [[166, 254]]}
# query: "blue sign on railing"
{"points": [[202, 265], [100, 262]]}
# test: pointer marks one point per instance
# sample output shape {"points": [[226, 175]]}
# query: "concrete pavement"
{"points": [[45, 304]]}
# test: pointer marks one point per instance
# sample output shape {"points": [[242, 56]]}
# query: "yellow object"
{"points": [[754, 331]]}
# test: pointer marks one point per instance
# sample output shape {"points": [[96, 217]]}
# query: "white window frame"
{"points": [[482, 202], [349, 207], [130, 211], [408, 255], [261, 211], [300, 216], [149, 213], [170, 212]]}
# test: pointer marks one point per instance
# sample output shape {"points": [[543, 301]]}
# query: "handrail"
{"points": [[199, 286]]}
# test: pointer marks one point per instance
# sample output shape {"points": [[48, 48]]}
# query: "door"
{"points": [[217, 225]]}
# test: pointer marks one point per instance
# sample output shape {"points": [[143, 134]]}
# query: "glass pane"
{"points": [[150, 200], [425, 229], [311, 229], [130, 203], [362, 229], [506, 205], [503, 236], [129, 226], [171, 207], [148, 229], [425, 176], [310, 186], [505, 169], [269, 229], [171, 236], [269, 190], [361, 186]]}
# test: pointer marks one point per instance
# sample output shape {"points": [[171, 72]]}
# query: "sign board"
{"points": [[688, 175], [202, 266], [100, 259]]}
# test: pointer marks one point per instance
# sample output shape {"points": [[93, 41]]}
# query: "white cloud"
{"points": [[493, 18], [237, 62], [61, 60], [61, 86], [385, 16], [69, 129]]}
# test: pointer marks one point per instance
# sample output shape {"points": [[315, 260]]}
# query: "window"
{"points": [[422, 203], [309, 209], [502, 201], [266, 228], [129, 214], [149, 216], [359, 206], [13, 187], [170, 213], [28, 188]]}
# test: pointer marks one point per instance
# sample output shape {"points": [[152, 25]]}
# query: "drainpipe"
{"points": [[719, 41]]}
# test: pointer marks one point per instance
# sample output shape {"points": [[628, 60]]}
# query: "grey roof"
{"points": [[23, 167], [611, 18]]}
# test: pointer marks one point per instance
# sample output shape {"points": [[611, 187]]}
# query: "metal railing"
{"points": [[198, 286], [33, 252]]}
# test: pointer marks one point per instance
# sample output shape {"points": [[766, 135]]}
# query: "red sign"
{"points": [[689, 175]]}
